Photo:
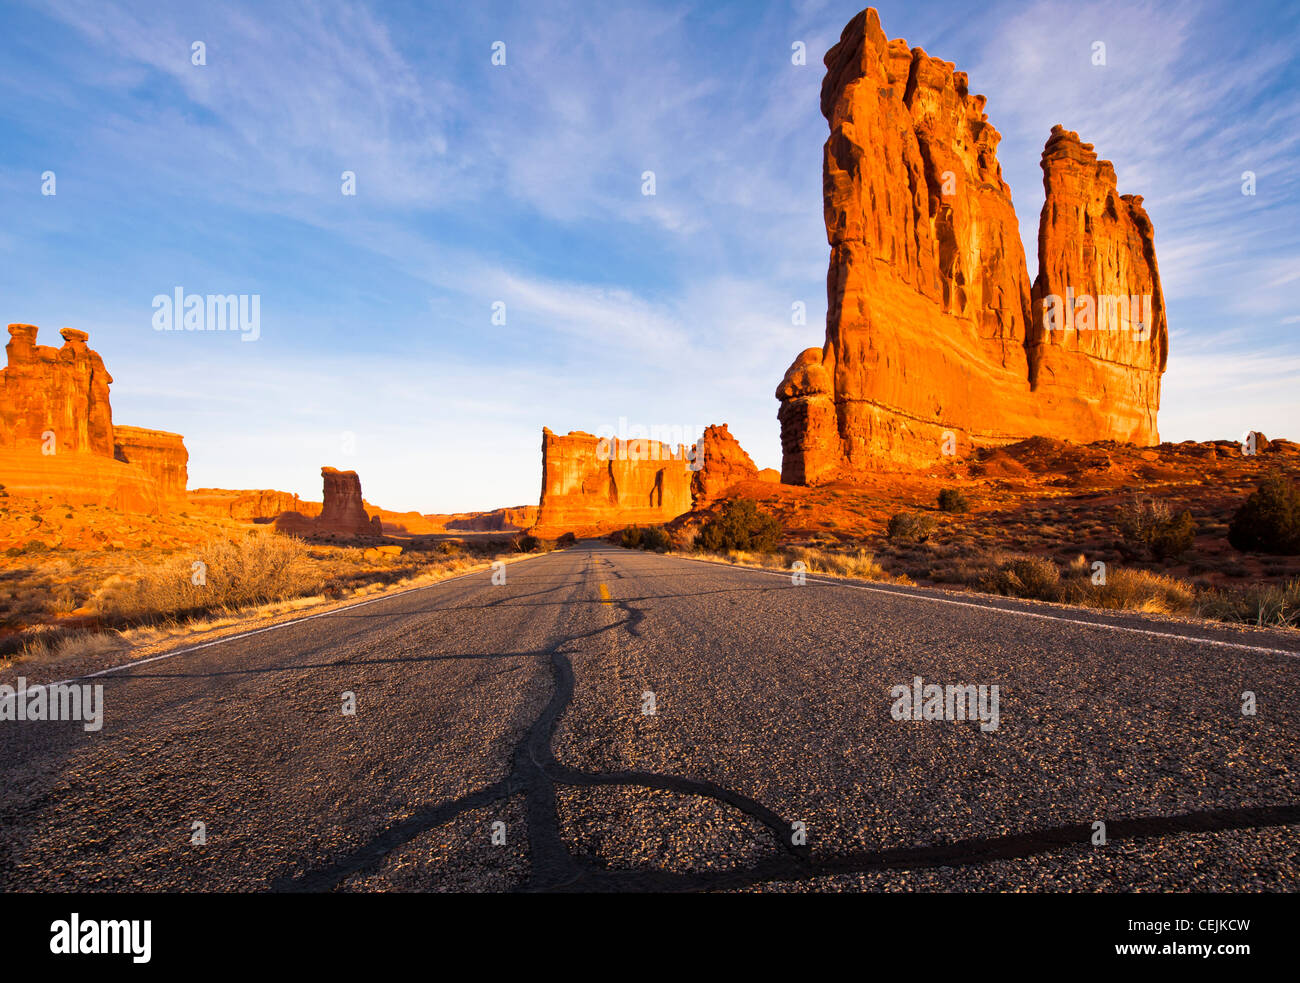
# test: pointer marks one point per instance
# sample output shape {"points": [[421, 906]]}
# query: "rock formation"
{"points": [[1097, 245], [54, 397], [160, 454], [724, 462], [931, 340], [510, 519], [590, 482], [57, 437], [594, 484], [343, 512], [250, 505], [401, 523]]}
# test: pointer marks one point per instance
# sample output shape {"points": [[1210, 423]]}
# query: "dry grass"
{"points": [[858, 563], [227, 573], [1262, 605], [56, 644], [246, 576]]}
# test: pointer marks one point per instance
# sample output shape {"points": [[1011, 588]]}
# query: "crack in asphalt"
{"points": [[535, 772]]}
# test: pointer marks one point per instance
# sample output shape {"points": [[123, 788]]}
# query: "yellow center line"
{"points": [[604, 595]]}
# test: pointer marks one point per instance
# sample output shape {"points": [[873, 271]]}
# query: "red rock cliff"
{"points": [[593, 484], [723, 463], [59, 390], [1097, 264], [929, 311], [57, 435], [162, 455]]}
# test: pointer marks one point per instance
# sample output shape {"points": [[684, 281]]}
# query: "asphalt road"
{"points": [[501, 741]]}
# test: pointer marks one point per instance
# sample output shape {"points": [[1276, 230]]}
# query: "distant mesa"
{"points": [[57, 435], [592, 484], [343, 512], [935, 335], [510, 519], [249, 505]]}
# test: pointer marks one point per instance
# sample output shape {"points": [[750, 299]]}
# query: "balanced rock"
{"points": [[931, 340]]}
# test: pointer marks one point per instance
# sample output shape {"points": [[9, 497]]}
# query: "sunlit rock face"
{"points": [[593, 484], [342, 512], [57, 436], [934, 340]]}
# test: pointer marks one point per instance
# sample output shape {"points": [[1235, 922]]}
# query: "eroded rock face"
{"points": [[60, 391], [1097, 258], [724, 462], [510, 519], [930, 346], [343, 511], [58, 437], [160, 454], [250, 505], [594, 484]]}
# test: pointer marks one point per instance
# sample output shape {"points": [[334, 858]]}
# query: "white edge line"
{"points": [[258, 631], [1002, 610]]}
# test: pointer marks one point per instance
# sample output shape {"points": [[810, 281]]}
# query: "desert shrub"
{"points": [[741, 526], [526, 543], [631, 538], [655, 538], [1148, 525], [909, 527], [1023, 576], [236, 572], [1269, 520], [1174, 538], [952, 500], [566, 539], [1264, 605]]}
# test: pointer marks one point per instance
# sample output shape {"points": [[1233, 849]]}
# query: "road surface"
{"points": [[616, 720]]}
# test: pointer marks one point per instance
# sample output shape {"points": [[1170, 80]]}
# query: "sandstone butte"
{"points": [[935, 337], [590, 485], [57, 435], [343, 511]]}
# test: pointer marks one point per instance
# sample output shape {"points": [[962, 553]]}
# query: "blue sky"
{"points": [[522, 183]]}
